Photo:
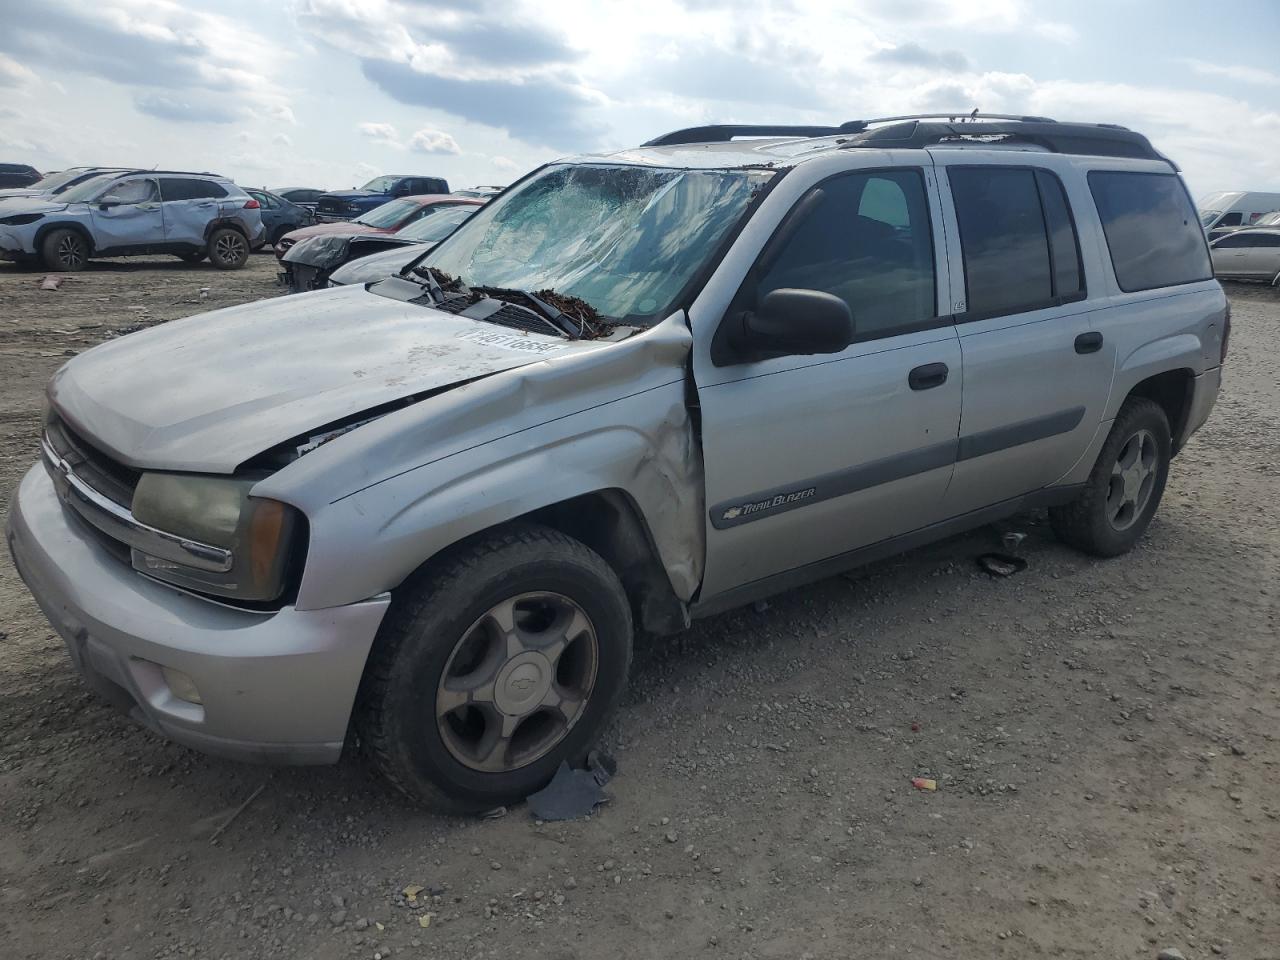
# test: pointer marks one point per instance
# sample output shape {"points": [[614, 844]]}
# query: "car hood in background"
{"points": [[334, 249], [346, 229], [209, 392], [377, 266], [352, 194], [9, 206]]}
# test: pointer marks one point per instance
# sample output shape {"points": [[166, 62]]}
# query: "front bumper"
{"points": [[12, 245], [275, 687]]}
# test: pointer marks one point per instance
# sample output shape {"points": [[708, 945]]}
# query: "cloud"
{"points": [[433, 141], [506, 164], [12, 73], [380, 133], [282, 140], [914, 55], [184, 109], [539, 110], [1234, 71]]}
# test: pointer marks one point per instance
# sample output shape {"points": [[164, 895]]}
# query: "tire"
{"points": [[194, 256], [439, 637], [1125, 486], [64, 250], [228, 248]]}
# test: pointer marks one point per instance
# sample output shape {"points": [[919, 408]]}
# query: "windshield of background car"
{"points": [[89, 189], [389, 214], [436, 226], [380, 184], [55, 180], [1268, 220], [1208, 216], [626, 239]]}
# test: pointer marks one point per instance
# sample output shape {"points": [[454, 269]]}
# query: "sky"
{"points": [[329, 93]]}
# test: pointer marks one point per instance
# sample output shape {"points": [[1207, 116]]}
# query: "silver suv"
{"points": [[427, 514], [129, 213]]}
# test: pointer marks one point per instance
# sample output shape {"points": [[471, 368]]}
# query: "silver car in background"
{"points": [[1252, 254], [427, 514]]}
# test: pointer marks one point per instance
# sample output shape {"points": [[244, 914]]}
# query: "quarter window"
{"points": [[1151, 228], [1230, 220], [1017, 239], [865, 238]]}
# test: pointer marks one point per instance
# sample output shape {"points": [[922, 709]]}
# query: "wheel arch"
{"points": [[1173, 390], [80, 228], [219, 222]]}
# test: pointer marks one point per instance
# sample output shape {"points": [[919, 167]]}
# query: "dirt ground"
{"points": [[1105, 736]]}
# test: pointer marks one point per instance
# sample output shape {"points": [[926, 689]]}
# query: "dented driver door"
{"points": [[810, 457]]}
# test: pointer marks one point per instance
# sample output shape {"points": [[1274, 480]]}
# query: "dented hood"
{"points": [[207, 393]]}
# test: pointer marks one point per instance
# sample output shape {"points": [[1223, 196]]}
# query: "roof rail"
{"points": [[724, 132], [961, 116], [1093, 139]]}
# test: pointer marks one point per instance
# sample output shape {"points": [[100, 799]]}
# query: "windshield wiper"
{"points": [[557, 318]]}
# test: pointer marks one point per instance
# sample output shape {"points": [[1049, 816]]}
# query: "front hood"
{"points": [[325, 229], [207, 393], [377, 265], [9, 206], [353, 194], [21, 192]]}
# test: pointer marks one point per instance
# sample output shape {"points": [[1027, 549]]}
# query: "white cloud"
{"points": [[383, 133], [433, 141], [282, 139], [12, 73], [505, 164], [1234, 71]]}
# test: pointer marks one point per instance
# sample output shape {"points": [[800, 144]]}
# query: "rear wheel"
{"points": [[1124, 488], [494, 667], [65, 250], [228, 248]]}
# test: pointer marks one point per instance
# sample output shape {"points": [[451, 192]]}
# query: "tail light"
{"points": [[252, 205], [1226, 333]]}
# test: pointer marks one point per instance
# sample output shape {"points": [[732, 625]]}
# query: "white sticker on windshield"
{"points": [[510, 341]]}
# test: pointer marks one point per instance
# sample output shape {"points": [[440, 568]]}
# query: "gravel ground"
{"points": [[1105, 736]]}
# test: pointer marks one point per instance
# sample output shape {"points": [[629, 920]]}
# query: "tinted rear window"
{"points": [[173, 188], [1152, 230]]}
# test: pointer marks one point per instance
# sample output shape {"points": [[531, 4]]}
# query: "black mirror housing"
{"points": [[792, 322]]}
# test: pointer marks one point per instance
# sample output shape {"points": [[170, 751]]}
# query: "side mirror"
{"points": [[108, 203], [794, 322]]}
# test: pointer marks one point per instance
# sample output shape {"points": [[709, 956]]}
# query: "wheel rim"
{"points": [[517, 682], [229, 247], [1133, 477], [71, 251]]}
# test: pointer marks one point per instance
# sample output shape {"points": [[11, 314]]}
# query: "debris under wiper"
{"points": [[567, 315]]}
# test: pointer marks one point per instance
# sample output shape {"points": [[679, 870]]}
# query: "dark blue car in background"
{"points": [[345, 204]]}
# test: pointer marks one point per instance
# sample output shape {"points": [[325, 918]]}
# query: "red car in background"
{"points": [[388, 218]]}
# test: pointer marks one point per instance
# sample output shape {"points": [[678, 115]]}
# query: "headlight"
{"points": [[218, 511], [19, 219]]}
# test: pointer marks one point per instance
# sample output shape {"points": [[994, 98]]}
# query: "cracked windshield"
{"points": [[624, 239]]}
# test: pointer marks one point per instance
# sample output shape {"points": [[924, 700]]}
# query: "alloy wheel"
{"points": [[1133, 477], [230, 247], [71, 252], [517, 682]]}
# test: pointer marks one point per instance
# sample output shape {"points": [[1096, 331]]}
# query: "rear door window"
{"points": [[177, 188], [1152, 232]]}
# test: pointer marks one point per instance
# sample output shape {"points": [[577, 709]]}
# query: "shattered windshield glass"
{"points": [[625, 239]]}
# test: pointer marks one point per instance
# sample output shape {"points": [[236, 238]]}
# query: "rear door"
{"points": [[128, 215], [189, 205], [1036, 375], [1231, 255], [808, 457]]}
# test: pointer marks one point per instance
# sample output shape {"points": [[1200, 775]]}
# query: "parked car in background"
{"points": [[387, 218], [485, 192], [52, 184], [279, 215], [190, 215], [348, 204], [336, 259], [302, 196], [1220, 212], [637, 389], [17, 175], [1251, 254]]}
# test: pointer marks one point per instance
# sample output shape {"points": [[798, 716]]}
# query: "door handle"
{"points": [[1089, 342], [928, 376]]}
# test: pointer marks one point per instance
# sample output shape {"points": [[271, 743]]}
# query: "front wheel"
{"points": [[65, 250], [228, 248], [1124, 488], [493, 667]]}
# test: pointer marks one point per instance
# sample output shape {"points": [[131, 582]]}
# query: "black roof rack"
{"points": [[1093, 139], [913, 131], [724, 132]]}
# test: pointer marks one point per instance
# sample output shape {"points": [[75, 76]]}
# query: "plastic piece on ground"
{"points": [[574, 793], [924, 783], [1001, 564]]}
